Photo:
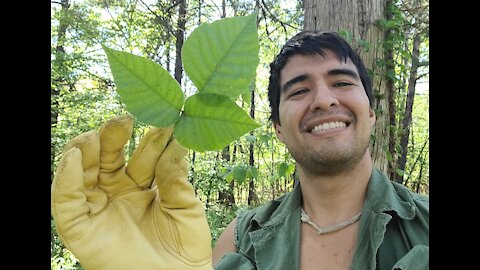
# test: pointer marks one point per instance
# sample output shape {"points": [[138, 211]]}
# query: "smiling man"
{"points": [[325, 115], [343, 214]]}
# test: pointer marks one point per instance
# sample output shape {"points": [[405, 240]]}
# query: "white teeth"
{"points": [[328, 126]]}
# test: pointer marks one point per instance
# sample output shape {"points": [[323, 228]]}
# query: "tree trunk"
{"points": [[358, 18], [192, 171], [407, 119], [232, 184], [252, 195], [392, 107], [210, 185], [180, 35], [419, 159], [55, 90], [226, 197]]}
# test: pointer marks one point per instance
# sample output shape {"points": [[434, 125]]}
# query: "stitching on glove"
{"points": [[60, 171], [111, 199], [163, 240]]}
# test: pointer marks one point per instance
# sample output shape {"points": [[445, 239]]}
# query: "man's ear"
{"points": [[278, 131]]}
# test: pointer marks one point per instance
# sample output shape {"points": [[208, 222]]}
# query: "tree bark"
{"points": [[252, 195], [392, 107], [226, 197], [55, 89], [407, 119], [358, 17], [180, 35]]}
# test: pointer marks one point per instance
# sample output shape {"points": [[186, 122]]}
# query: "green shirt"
{"points": [[393, 233]]}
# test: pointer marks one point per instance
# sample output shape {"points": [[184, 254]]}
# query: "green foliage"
{"points": [[401, 28], [220, 58], [211, 122], [285, 169], [241, 173], [218, 218], [416, 172], [149, 92], [87, 96], [64, 260]]}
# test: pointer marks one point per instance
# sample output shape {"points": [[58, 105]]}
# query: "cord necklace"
{"points": [[305, 218]]}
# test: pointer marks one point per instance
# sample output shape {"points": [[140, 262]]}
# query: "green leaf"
{"points": [[250, 138], [221, 57], [392, 24], [247, 95], [282, 169], [265, 138], [211, 122], [273, 178], [389, 156], [253, 172], [227, 174], [240, 174], [291, 169], [149, 92]]}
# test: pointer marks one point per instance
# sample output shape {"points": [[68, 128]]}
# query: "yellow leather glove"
{"points": [[143, 215]]}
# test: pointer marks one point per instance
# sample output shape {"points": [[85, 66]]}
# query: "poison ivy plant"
{"points": [[221, 60], [241, 173]]}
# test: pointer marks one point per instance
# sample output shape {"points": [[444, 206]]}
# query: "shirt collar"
{"points": [[384, 195]]}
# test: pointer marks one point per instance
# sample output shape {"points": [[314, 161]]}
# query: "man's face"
{"points": [[324, 112]]}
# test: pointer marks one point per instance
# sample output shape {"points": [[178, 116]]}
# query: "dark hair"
{"points": [[310, 43]]}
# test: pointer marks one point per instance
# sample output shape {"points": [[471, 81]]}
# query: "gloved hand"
{"points": [[143, 215]]}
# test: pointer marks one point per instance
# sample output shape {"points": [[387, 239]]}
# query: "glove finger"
{"points": [[171, 178], [113, 136], [89, 145], [141, 167], [68, 200], [185, 228]]}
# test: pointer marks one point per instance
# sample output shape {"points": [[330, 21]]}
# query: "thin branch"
{"points": [[421, 76], [417, 159], [423, 63], [264, 6]]}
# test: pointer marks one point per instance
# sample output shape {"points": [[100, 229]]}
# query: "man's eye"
{"points": [[340, 84], [298, 92]]}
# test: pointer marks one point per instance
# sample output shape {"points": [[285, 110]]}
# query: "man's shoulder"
{"points": [[401, 190], [385, 195], [409, 194]]}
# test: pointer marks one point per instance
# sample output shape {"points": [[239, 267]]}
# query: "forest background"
{"points": [[257, 167]]}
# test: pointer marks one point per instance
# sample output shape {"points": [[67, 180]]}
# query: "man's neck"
{"points": [[329, 199]]}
